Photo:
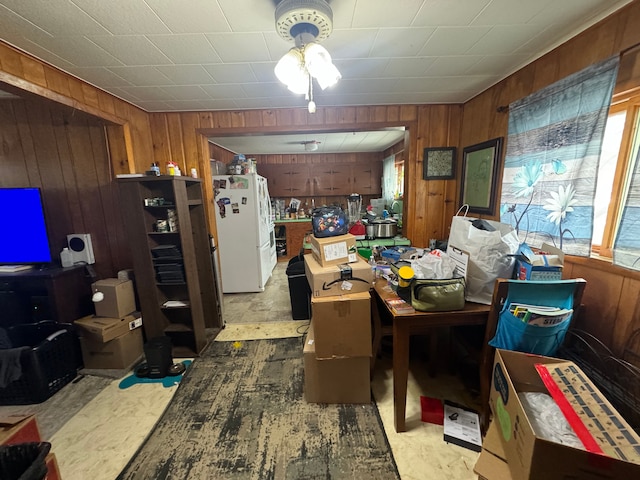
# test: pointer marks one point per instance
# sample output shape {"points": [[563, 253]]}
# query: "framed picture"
{"points": [[480, 170], [439, 163]]}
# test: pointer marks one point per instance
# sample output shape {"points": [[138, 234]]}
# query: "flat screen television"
{"points": [[23, 234]]}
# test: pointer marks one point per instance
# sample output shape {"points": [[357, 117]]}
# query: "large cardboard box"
{"points": [[535, 266], [119, 299], [342, 325], [119, 353], [334, 250], [531, 457], [492, 463], [337, 279], [334, 380], [19, 428], [103, 329]]}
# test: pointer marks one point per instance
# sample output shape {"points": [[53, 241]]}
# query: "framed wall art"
{"points": [[439, 163], [480, 170]]}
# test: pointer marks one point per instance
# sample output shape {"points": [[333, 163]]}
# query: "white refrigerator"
{"points": [[246, 239]]}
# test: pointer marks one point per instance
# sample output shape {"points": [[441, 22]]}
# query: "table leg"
{"points": [[400, 373]]}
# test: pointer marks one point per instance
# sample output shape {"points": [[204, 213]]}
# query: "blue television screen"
{"points": [[23, 236]]}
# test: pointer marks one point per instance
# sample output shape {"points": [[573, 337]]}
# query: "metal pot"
{"points": [[385, 228], [371, 231]]}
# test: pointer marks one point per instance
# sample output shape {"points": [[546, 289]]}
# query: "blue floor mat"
{"points": [[166, 381]]}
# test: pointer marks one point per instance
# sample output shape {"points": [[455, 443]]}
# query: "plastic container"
{"points": [[299, 290], [66, 257]]}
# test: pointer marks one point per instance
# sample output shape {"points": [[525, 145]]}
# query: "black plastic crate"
{"points": [[51, 361], [24, 461]]}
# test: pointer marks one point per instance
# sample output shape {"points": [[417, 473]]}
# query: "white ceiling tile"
{"points": [[240, 47], [259, 90], [441, 84], [490, 64], [123, 17], [374, 13], [141, 76], [100, 76], [448, 12], [510, 12], [128, 96], [343, 12], [185, 74], [502, 39], [58, 18], [576, 12], [251, 103], [444, 66], [408, 67], [132, 50], [13, 25], [40, 52], [231, 72], [277, 46], [224, 91], [263, 72], [257, 17], [350, 43], [453, 40], [400, 42], [186, 49], [374, 85], [191, 16], [186, 92], [365, 68], [150, 94], [81, 53]]}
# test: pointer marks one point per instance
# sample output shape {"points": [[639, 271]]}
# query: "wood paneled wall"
{"points": [[611, 297], [64, 154]]}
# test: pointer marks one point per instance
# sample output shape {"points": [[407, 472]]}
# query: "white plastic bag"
{"points": [[491, 254], [435, 265]]}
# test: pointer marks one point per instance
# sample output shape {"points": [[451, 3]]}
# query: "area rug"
{"points": [[239, 413]]}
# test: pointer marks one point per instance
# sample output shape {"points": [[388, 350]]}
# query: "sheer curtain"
{"points": [[551, 164], [389, 179], [626, 248]]}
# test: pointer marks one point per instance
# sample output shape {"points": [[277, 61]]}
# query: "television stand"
{"points": [[59, 294]]}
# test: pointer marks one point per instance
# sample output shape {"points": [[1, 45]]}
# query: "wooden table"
{"points": [[418, 323]]}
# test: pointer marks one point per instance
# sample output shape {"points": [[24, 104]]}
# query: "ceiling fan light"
{"points": [[290, 71], [328, 77]]}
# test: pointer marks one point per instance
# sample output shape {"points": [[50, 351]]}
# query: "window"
{"points": [[620, 146]]}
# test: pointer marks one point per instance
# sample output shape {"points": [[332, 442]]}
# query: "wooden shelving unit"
{"points": [[171, 266]]}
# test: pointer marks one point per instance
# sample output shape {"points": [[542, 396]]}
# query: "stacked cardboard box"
{"points": [[112, 338], [337, 351]]}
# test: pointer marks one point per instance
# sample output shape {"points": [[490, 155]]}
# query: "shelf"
{"points": [[177, 327]]}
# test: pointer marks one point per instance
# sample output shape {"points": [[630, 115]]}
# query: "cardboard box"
{"points": [[531, 457], [337, 279], [103, 329], [119, 353], [334, 380], [334, 250], [53, 471], [342, 325], [491, 464], [539, 267], [19, 428], [119, 299]]}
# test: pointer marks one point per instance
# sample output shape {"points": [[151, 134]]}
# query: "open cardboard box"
{"points": [[538, 266], [531, 457]]}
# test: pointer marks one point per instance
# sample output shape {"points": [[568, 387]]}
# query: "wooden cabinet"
{"points": [[292, 235], [323, 180], [291, 180], [331, 179], [167, 232], [367, 178]]}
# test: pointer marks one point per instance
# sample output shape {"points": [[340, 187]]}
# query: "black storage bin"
{"points": [[51, 361], [24, 461], [299, 290]]}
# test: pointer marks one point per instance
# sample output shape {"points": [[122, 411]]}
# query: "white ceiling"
{"points": [[183, 55]]}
